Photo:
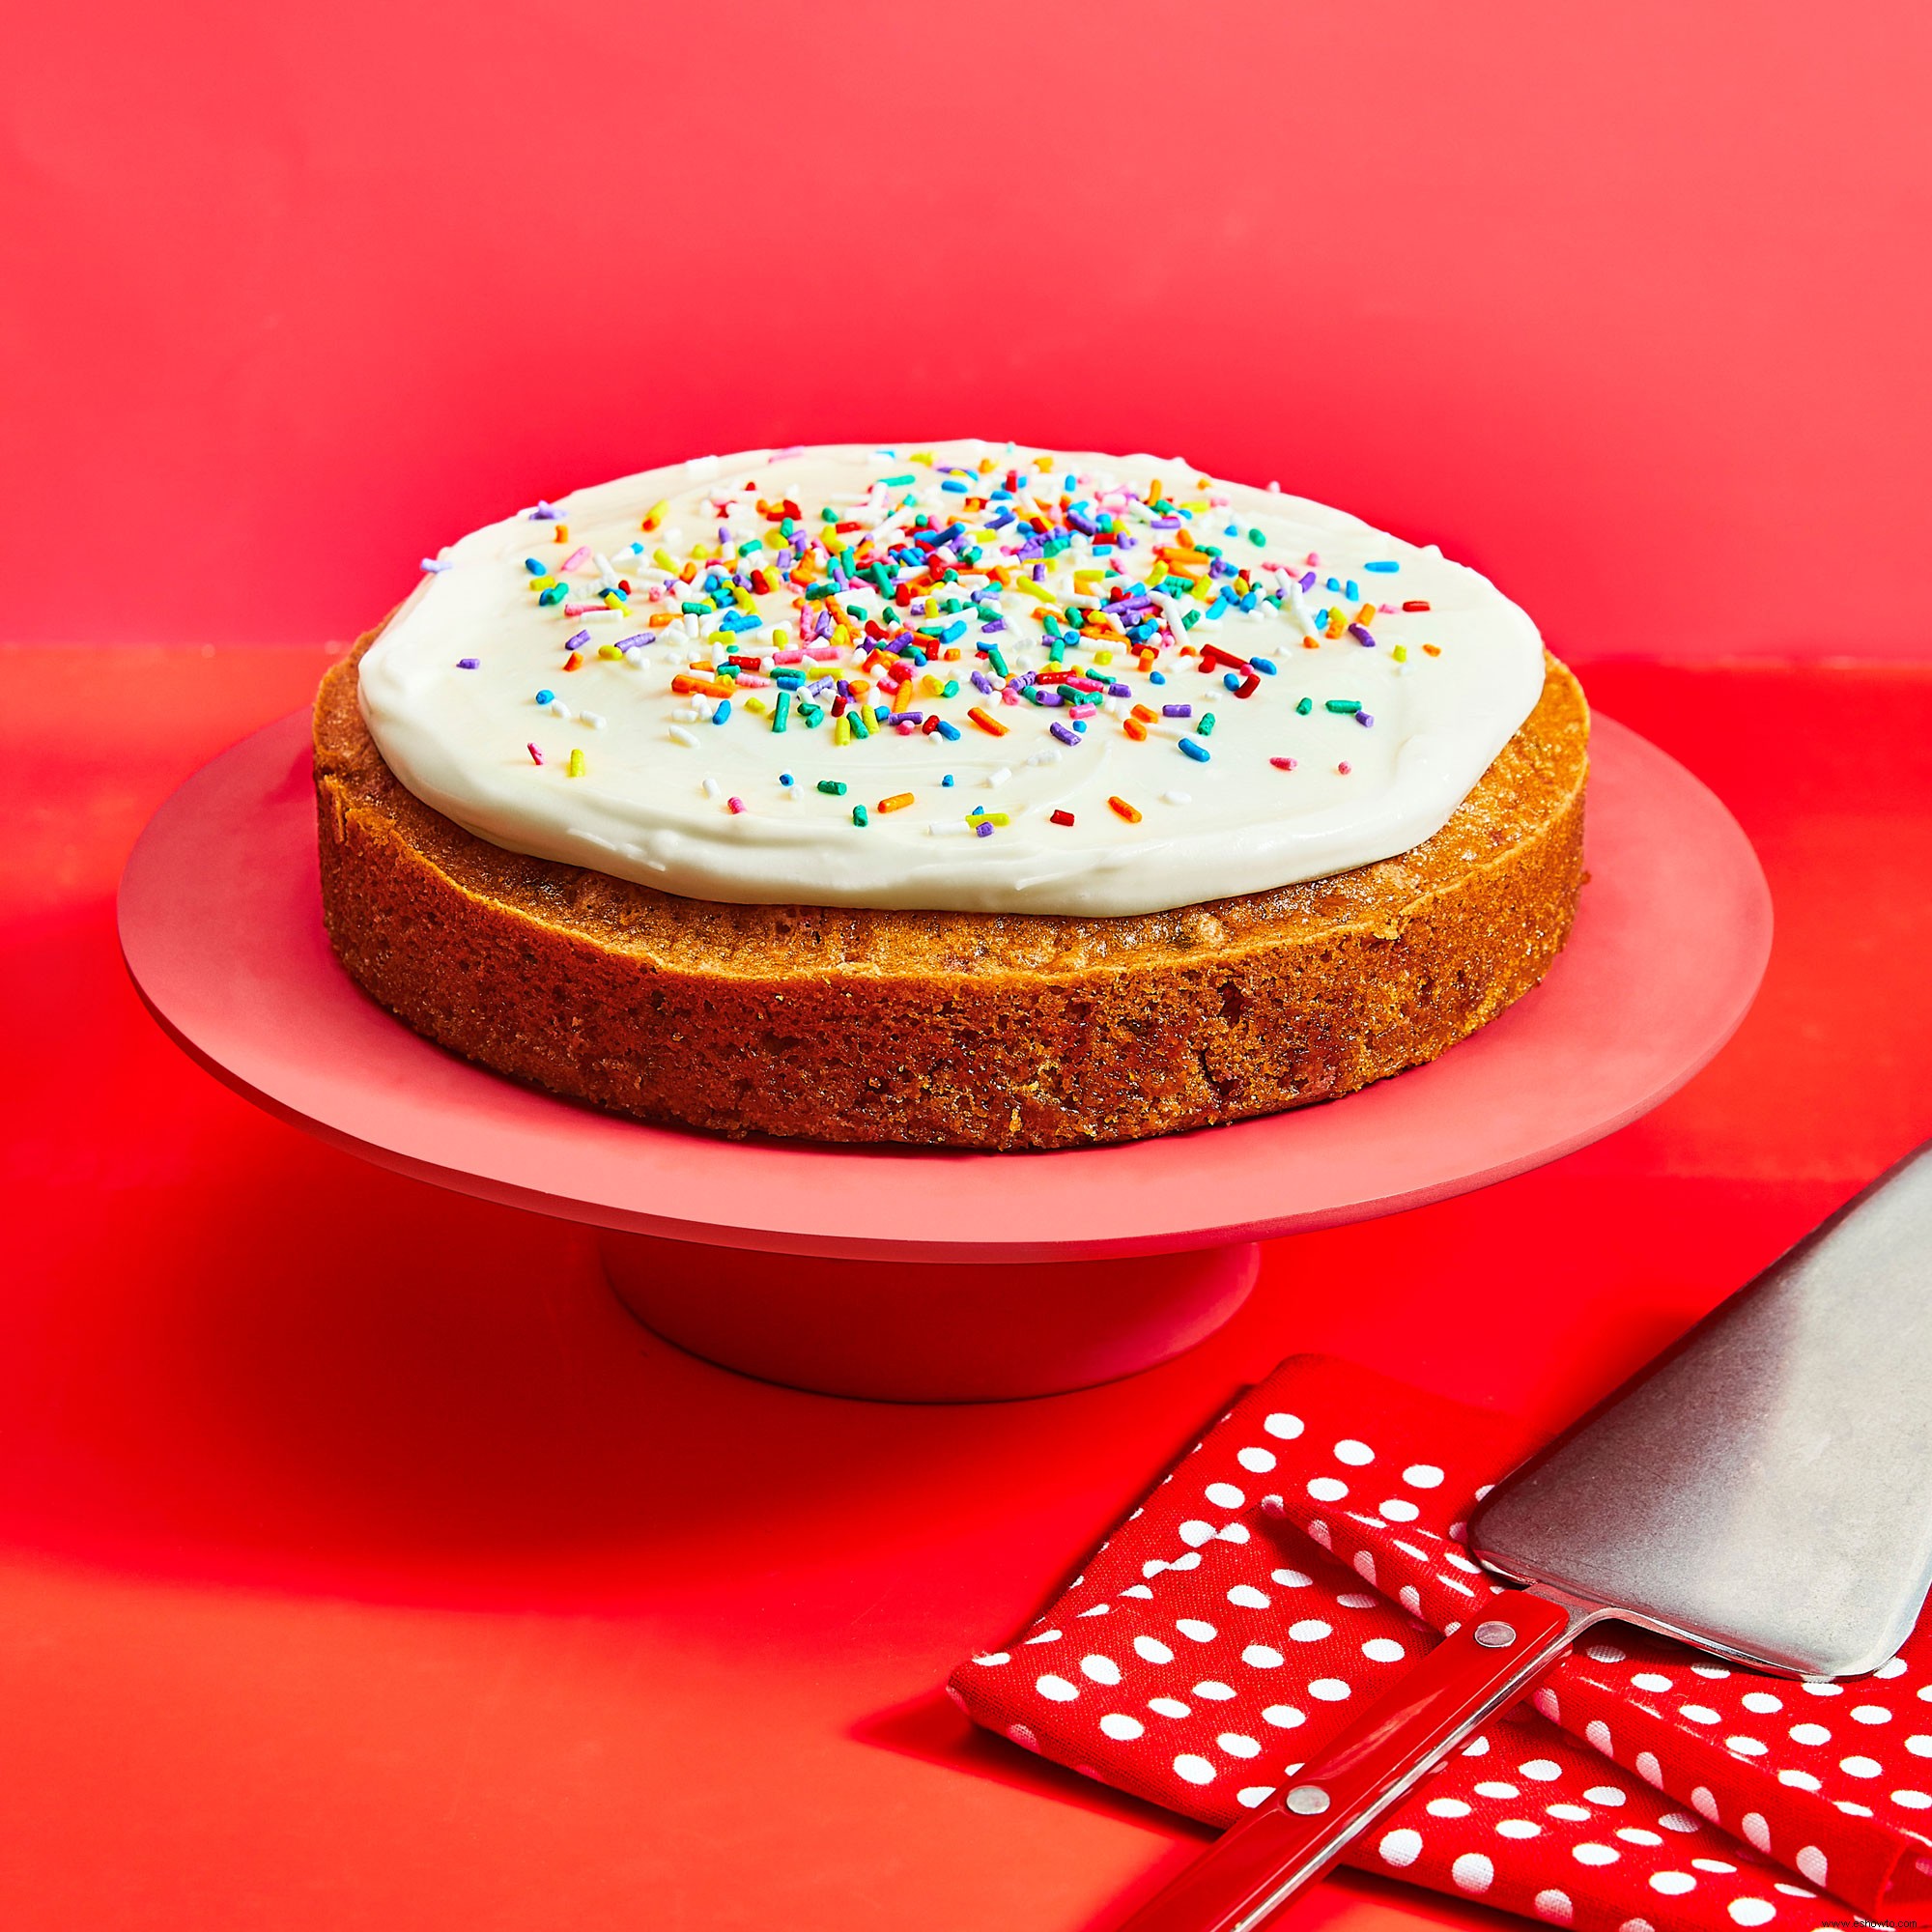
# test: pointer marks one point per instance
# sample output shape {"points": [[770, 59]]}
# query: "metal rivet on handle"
{"points": [[1495, 1636], [1310, 1800]]}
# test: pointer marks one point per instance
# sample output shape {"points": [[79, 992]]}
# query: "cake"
{"points": [[967, 795]]}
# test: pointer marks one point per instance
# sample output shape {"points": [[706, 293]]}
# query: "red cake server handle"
{"points": [[1259, 1863]]}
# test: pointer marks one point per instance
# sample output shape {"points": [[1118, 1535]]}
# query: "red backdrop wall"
{"points": [[1624, 303]]}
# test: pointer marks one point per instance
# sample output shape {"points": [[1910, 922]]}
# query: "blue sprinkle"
{"points": [[1386, 567], [784, 777], [947, 780], [1333, 583], [546, 697], [950, 731], [1198, 752], [468, 664], [723, 712], [952, 483], [1230, 682], [1265, 665], [1157, 678], [1352, 590], [535, 568]]}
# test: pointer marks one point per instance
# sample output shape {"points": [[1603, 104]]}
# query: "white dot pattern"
{"points": [[1245, 1630]]}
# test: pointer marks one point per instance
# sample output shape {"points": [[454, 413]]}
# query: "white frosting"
{"points": [[651, 797]]}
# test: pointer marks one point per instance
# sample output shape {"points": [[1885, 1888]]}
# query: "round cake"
{"points": [[963, 795]]}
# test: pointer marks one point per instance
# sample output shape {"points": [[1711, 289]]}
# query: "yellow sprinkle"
{"points": [[842, 731], [756, 704], [543, 583], [577, 761], [662, 557], [918, 456], [1104, 657], [781, 638], [654, 516], [1039, 592], [608, 651], [930, 687], [841, 636], [1400, 654], [980, 812]]}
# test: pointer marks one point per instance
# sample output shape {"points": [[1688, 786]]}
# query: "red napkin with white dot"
{"points": [[1308, 1550]]}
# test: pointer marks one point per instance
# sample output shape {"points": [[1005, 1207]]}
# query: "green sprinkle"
{"points": [[1256, 538], [860, 816], [1189, 619], [997, 662], [833, 788], [858, 730], [813, 714], [1343, 705], [1305, 706], [1205, 728], [781, 711], [951, 688]]}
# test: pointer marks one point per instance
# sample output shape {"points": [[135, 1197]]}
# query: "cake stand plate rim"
{"points": [[219, 917]]}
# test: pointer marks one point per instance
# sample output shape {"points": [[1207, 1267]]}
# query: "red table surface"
{"points": [[361, 1564]]}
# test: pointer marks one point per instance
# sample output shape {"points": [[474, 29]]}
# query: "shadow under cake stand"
{"points": [[929, 1274]]}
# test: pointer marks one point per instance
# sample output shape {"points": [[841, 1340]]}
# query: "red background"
{"points": [[1624, 303], [361, 1565]]}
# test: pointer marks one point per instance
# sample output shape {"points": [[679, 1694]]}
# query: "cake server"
{"points": [[1763, 1489]]}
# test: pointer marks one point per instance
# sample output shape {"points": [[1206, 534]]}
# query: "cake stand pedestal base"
{"points": [[928, 1331]]}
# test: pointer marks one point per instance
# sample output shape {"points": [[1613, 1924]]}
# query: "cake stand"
{"points": [[928, 1274]]}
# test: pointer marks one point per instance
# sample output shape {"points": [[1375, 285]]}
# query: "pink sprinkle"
{"points": [[536, 756], [1343, 769], [1314, 559], [1282, 764], [1007, 694], [792, 657], [585, 609], [736, 803], [581, 554]]}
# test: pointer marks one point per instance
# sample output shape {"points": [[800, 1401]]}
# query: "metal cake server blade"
{"points": [[1763, 1489]]}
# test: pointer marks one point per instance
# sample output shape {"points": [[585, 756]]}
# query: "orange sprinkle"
{"points": [[1127, 810], [562, 533], [985, 723], [573, 661], [897, 799], [1133, 728], [1434, 650]]}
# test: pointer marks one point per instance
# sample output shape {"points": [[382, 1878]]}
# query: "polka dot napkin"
{"points": [[1308, 1551]]}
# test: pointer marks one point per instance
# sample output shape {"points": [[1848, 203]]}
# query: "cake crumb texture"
{"points": [[949, 1029]]}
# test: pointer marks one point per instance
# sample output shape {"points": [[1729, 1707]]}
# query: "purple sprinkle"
{"points": [[1361, 634], [543, 514], [1050, 696], [630, 643], [982, 830], [1120, 691], [1040, 573], [1177, 711], [468, 664], [1308, 583], [435, 565], [982, 682], [1066, 733], [582, 638], [1363, 718]]}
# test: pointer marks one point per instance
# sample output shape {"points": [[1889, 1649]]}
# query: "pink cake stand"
{"points": [[931, 1275]]}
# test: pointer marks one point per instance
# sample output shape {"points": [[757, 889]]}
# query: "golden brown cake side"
{"points": [[951, 1028]]}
